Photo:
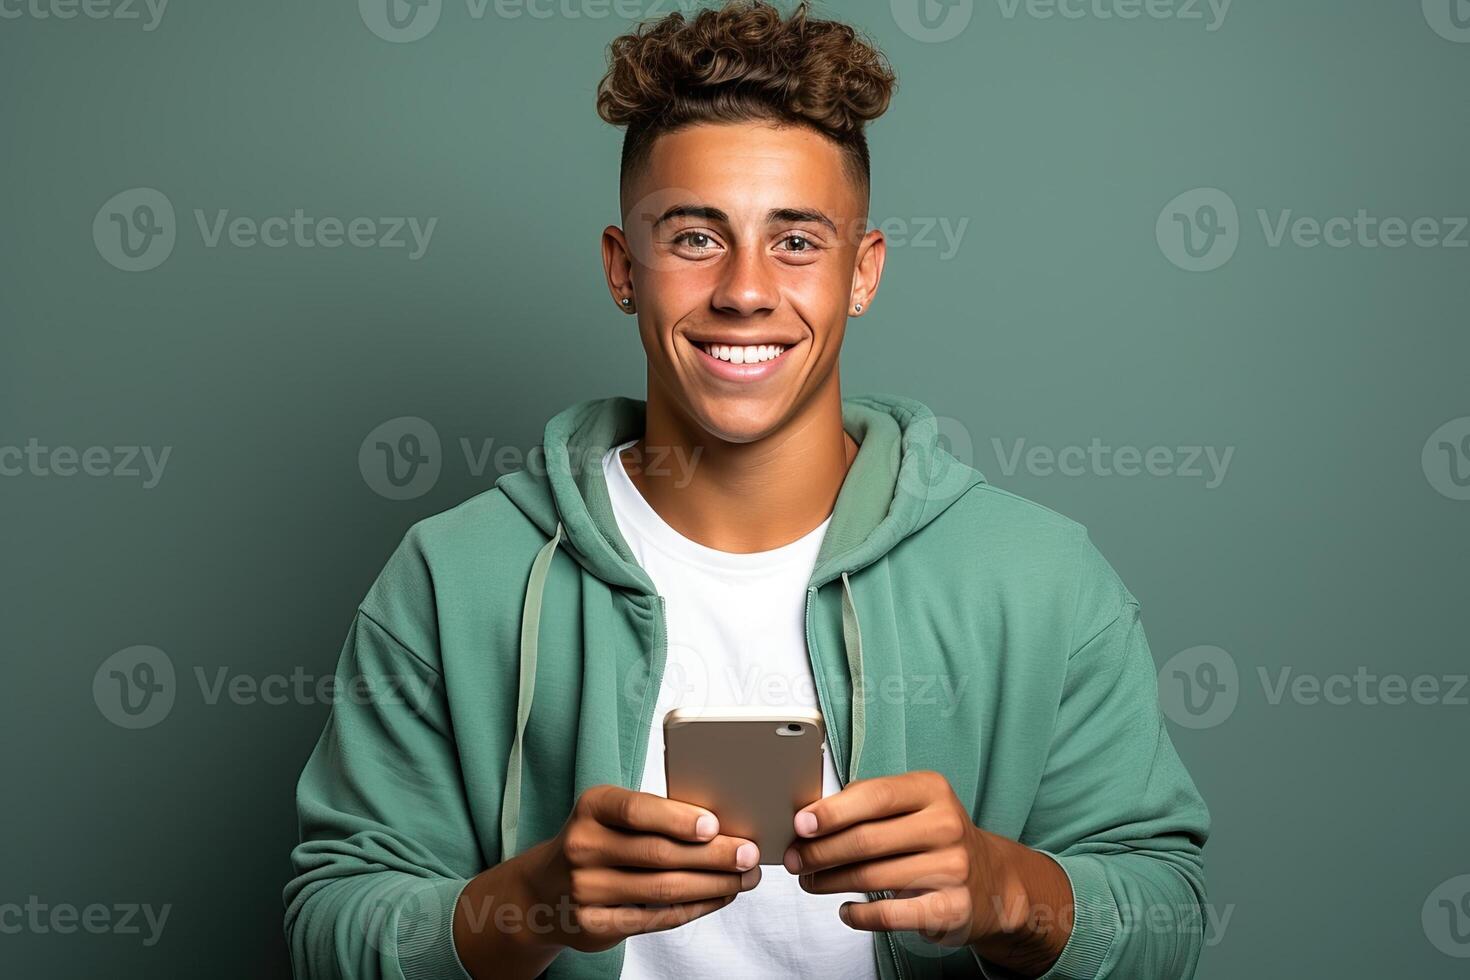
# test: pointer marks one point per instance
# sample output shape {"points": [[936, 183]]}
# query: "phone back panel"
{"points": [[748, 773]]}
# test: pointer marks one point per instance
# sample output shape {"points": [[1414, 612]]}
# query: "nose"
{"points": [[746, 285]]}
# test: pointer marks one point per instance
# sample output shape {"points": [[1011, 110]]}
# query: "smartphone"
{"points": [[751, 767]]}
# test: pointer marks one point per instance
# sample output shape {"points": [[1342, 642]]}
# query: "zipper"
{"points": [[839, 756]]}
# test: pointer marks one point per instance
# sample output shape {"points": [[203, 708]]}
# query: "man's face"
{"points": [[744, 250]]}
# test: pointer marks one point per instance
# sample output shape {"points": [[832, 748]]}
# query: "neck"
{"points": [[742, 497]]}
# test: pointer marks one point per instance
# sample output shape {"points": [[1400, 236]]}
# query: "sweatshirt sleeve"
{"points": [[1116, 807], [386, 839]]}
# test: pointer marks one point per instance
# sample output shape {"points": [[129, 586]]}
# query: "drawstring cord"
{"points": [[852, 639], [510, 810]]}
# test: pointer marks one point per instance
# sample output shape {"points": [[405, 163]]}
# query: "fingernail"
{"points": [[842, 913], [706, 826], [749, 879], [806, 823], [746, 856], [792, 860]]}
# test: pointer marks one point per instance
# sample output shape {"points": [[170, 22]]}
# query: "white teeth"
{"points": [[753, 354]]}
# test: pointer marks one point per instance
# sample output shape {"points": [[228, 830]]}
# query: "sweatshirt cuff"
{"points": [[1095, 924], [425, 932]]}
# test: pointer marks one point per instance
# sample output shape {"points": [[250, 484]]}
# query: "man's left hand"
{"points": [[952, 882]]}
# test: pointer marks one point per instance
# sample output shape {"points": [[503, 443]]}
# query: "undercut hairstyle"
{"points": [[745, 62]]}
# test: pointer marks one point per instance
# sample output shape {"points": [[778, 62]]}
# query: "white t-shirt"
{"points": [[736, 636]]}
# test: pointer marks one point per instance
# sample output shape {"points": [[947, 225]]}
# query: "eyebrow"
{"points": [[775, 215]]}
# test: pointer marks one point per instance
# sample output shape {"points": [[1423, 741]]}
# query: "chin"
{"points": [[741, 420]]}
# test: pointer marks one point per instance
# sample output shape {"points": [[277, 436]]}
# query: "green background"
{"points": [[1059, 319]]}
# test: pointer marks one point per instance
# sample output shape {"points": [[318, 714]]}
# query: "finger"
{"points": [[615, 886], [937, 915], [874, 839], [868, 799], [678, 915], [623, 921], [884, 874], [615, 806], [624, 849]]}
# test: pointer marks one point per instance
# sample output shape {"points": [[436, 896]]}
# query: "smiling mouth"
{"points": [[748, 354]]}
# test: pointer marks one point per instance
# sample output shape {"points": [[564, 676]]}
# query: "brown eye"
{"points": [[694, 239], [805, 244]]}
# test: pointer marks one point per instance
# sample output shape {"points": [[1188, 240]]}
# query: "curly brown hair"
{"points": [[745, 62]]}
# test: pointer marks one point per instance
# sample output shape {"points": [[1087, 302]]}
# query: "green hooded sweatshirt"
{"points": [[510, 654]]}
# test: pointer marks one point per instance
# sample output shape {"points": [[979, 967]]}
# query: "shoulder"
{"points": [[483, 528], [1032, 554], [475, 553]]}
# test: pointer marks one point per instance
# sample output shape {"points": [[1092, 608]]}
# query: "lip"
{"points": [[729, 371]]}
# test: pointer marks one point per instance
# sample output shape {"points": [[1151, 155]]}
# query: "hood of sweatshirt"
{"points": [[901, 479]]}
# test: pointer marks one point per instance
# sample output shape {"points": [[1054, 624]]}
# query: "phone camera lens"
{"points": [[794, 729]]}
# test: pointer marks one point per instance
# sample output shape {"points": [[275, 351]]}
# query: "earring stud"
{"points": [[857, 308], [625, 301]]}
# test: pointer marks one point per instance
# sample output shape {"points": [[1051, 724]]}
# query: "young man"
{"points": [[1001, 796]]}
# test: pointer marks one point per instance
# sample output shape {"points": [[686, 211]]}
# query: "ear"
{"points": [[867, 272], [617, 266]]}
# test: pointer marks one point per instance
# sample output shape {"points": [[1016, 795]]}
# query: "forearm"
{"points": [[1147, 905], [1126, 914], [500, 931], [1028, 913]]}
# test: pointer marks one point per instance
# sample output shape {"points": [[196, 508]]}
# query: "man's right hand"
{"points": [[624, 863]]}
